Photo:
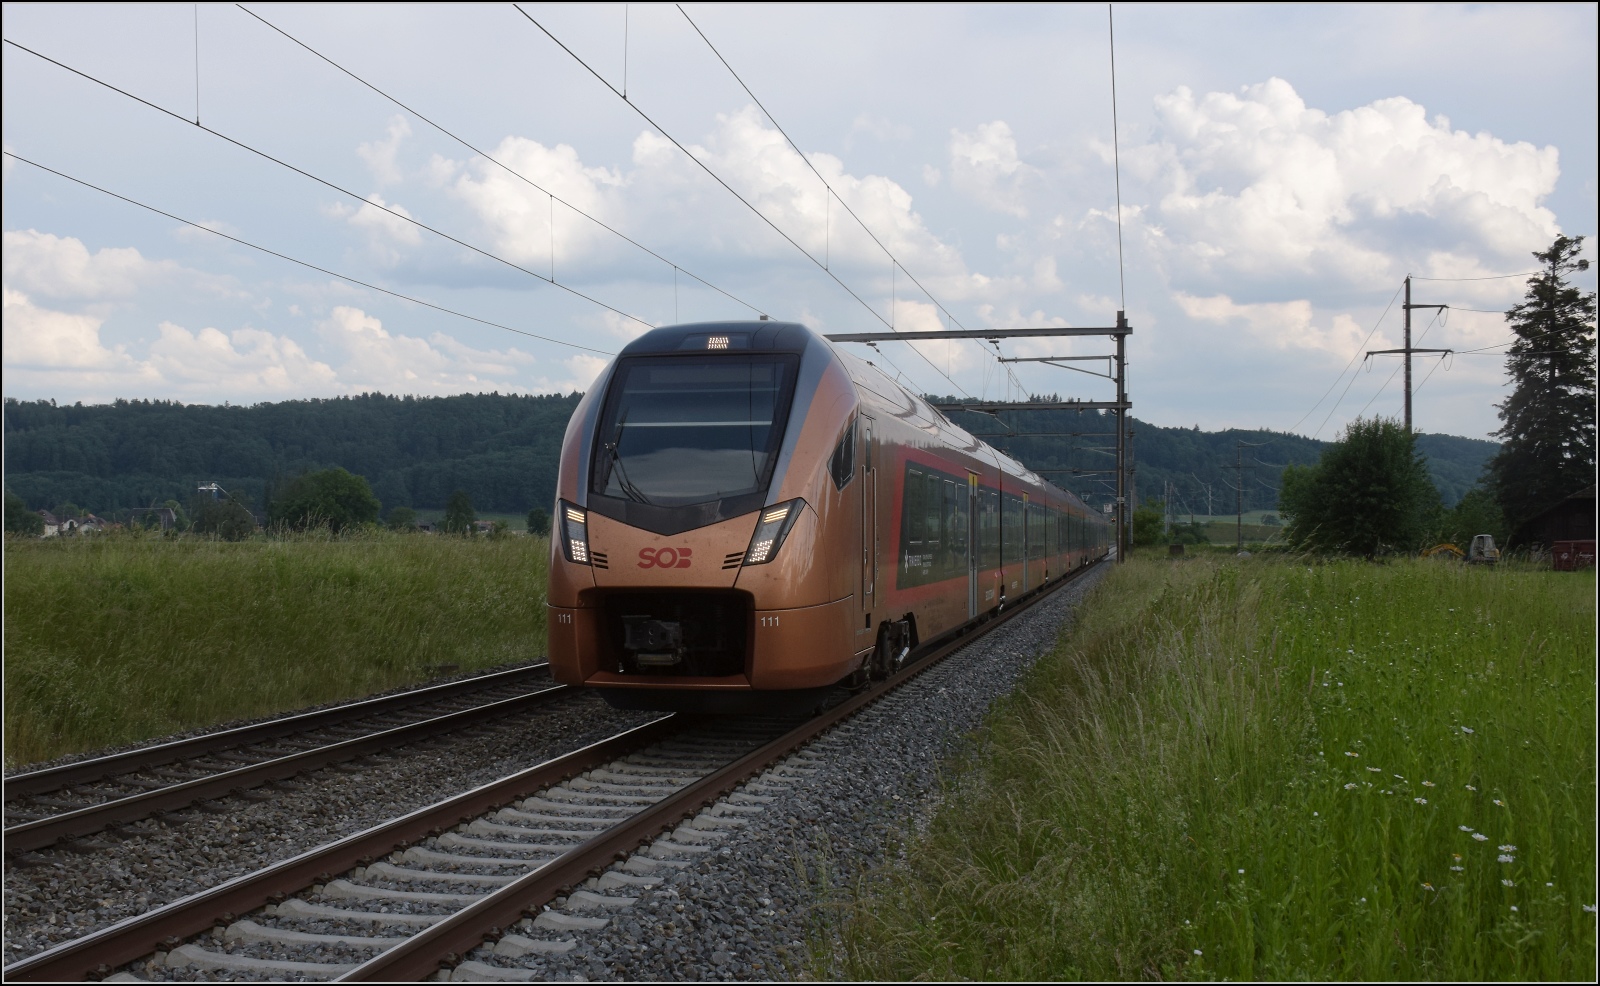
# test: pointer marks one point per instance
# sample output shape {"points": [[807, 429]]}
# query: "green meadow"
{"points": [[1268, 769], [122, 638]]}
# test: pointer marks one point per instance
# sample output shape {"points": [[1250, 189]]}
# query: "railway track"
{"points": [[60, 806], [521, 865]]}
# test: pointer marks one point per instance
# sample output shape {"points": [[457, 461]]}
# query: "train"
{"points": [[748, 518]]}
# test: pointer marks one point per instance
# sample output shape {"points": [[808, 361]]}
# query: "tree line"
{"points": [[1371, 492]]}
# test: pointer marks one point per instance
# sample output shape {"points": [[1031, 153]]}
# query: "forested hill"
{"points": [[1201, 466], [502, 449]]}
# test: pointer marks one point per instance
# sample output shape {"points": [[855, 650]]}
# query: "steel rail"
{"points": [[101, 768], [445, 942], [97, 953], [84, 821]]}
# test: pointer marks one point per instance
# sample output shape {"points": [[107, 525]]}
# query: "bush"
{"points": [[334, 498], [538, 521], [19, 519], [228, 519], [402, 519], [1148, 524], [1369, 493], [458, 514]]}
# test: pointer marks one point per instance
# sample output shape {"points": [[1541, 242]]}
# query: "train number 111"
{"points": [[769, 621]]}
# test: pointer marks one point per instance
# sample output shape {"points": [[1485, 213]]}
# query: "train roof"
{"points": [[752, 336]]}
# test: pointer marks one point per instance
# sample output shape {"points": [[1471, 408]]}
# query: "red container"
{"points": [[1569, 556]]}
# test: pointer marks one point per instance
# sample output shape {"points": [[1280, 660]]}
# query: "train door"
{"points": [[973, 547], [1028, 547], [869, 529]]}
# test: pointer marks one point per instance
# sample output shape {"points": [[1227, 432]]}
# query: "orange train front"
{"points": [[746, 517]]}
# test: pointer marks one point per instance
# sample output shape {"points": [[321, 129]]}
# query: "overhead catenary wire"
{"points": [[502, 165], [723, 182], [825, 183], [323, 181], [302, 263]]}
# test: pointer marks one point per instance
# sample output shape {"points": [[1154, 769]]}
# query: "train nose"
{"points": [[704, 558]]}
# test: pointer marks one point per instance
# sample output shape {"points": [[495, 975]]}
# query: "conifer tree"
{"points": [[1548, 422]]}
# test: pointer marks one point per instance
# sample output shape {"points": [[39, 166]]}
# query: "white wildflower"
{"points": [[1507, 883], [1467, 730], [1480, 837], [1508, 848], [1429, 784], [1464, 828], [1350, 787], [1420, 801], [1506, 858]]}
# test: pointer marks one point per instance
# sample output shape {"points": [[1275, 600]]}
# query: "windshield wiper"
{"points": [[623, 483]]}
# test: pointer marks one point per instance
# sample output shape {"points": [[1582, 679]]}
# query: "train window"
{"points": [[1011, 532], [683, 430], [843, 464]]}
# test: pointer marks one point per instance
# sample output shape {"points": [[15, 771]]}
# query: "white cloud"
{"points": [[387, 233], [520, 216], [376, 359], [41, 339], [1258, 183], [62, 267], [381, 155], [1278, 325], [244, 363], [985, 165]]}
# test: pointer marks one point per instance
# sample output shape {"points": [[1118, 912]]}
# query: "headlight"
{"points": [[771, 530], [575, 533]]}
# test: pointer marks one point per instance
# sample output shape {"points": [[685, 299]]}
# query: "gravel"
{"points": [[64, 894], [839, 807], [811, 826]]}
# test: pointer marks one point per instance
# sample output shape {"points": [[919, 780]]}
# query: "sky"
{"points": [[1282, 169]]}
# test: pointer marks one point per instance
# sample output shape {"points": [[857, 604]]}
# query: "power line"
{"points": [[1359, 350], [774, 121], [825, 268], [302, 263], [322, 181], [1486, 277], [502, 165], [703, 166]]}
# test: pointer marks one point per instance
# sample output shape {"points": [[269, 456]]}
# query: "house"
{"points": [[1571, 519]]}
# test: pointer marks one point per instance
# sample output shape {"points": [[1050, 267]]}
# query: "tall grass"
{"points": [[110, 640], [1258, 769]]}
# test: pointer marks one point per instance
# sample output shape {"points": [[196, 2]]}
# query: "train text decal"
{"points": [[664, 557]]}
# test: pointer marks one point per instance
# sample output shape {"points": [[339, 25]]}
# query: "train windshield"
{"points": [[684, 430]]}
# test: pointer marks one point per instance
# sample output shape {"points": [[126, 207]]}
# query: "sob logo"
{"points": [[664, 557]]}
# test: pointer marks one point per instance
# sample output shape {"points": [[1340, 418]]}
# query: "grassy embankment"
{"points": [[111, 640], [1255, 769]]}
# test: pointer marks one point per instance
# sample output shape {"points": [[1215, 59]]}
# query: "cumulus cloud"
{"points": [[1258, 183], [39, 338], [524, 222], [985, 165], [376, 359], [382, 156], [1278, 325], [387, 234], [246, 362], [62, 267]]}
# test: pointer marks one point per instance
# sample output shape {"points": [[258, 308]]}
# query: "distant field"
{"points": [[117, 639], [1267, 770]]}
